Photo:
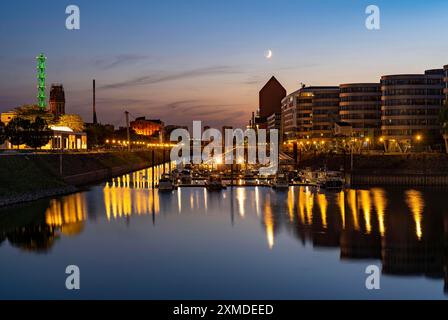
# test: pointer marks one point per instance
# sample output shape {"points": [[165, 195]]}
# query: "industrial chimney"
{"points": [[95, 119]]}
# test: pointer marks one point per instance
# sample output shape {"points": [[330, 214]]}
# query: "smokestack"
{"points": [[95, 120]]}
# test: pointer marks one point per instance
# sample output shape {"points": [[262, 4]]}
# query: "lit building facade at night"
{"points": [[325, 110], [360, 106], [61, 138], [410, 108], [289, 116], [145, 127], [310, 113], [275, 121]]}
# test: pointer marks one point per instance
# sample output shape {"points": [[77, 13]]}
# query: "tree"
{"points": [[2, 133], [31, 112], [38, 134], [73, 121], [97, 134], [17, 130]]}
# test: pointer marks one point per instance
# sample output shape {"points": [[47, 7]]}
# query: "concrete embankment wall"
{"points": [[399, 180], [398, 169], [110, 165], [28, 177]]}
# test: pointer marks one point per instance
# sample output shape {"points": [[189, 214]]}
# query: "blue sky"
{"points": [[184, 60]]}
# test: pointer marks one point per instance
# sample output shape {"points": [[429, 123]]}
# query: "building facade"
{"points": [[360, 106], [410, 108], [310, 113], [275, 121], [62, 138], [57, 100], [145, 127], [270, 98], [289, 117], [445, 79], [317, 112]]}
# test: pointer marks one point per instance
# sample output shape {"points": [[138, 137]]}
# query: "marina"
{"points": [[196, 176]]}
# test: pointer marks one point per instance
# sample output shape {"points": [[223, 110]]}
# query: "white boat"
{"points": [[166, 183], [332, 180]]}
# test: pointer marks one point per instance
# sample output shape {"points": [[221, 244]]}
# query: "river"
{"points": [[131, 242]]}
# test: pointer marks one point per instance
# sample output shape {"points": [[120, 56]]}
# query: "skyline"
{"points": [[206, 61]]}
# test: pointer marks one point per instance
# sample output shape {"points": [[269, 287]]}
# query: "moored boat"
{"points": [[214, 183], [166, 183], [280, 182]]}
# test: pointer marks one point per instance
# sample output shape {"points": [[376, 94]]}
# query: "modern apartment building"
{"points": [[310, 113], [410, 109], [445, 79], [275, 121], [289, 116], [324, 112], [360, 106]]}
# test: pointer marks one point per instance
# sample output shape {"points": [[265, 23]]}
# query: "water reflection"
{"points": [[36, 227], [67, 214], [122, 201], [407, 230], [414, 199]]}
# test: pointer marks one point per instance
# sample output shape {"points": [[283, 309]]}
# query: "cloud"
{"points": [[106, 63], [210, 113], [166, 76]]}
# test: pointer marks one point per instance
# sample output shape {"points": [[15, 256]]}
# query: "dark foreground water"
{"points": [[242, 243]]}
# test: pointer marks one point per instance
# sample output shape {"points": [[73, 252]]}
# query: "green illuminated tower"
{"points": [[41, 76]]}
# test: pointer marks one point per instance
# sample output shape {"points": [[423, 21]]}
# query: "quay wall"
{"points": [[423, 169], [28, 177]]}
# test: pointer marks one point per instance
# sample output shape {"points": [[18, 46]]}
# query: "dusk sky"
{"points": [[185, 60]]}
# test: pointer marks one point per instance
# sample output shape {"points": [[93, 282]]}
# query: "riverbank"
{"points": [[29, 177], [423, 169]]}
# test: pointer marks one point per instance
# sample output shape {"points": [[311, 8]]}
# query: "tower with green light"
{"points": [[41, 76]]}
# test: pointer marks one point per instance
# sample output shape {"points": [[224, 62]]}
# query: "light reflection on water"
{"points": [[404, 230]]}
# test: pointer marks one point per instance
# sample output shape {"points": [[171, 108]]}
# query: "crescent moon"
{"points": [[269, 54]]}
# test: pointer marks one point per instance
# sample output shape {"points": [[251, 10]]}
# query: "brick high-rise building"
{"points": [[57, 100], [271, 96]]}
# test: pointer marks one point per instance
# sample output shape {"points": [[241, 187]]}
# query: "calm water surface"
{"points": [[242, 243]]}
